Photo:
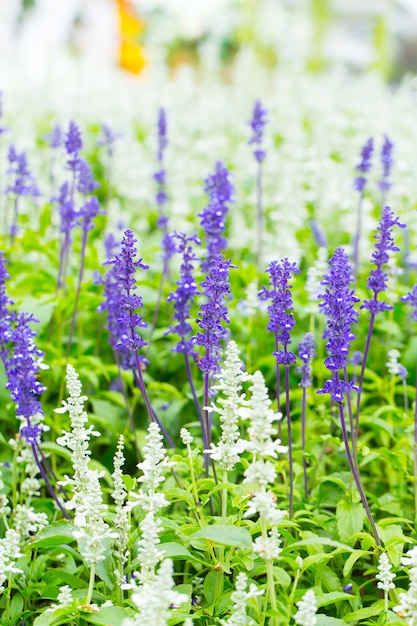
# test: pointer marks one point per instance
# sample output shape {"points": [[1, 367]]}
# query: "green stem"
{"points": [[91, 583], [269, 576]]}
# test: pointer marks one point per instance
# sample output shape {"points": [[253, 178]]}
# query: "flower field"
{"points": [[208, 306]]}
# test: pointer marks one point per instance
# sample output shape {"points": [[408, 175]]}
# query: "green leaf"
{"points": [[350, 517], [323, 541], [209, 587], [174, 550], [282, 578], [54, 534], [225, 536], [369, 611], [334, 596], [325, 620], [109, 616], [351, 560]]}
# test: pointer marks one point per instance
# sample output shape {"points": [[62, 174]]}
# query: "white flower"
{"points": [[262, 418], [9, 553], [385, 576], [408, 600], [307, 609], [260, 472], [121, 520], [240, 598], [64, 598], [27, 522], [228, 450], [154, 598], [186, 438], [264, 503], [269, 549]]}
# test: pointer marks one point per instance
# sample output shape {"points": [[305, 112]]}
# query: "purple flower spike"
{"points": [[280, 321], [86, 182], [364, 165], [22, 181], [318, 234], [73, 144], [338, 306], [387, 162], [161, 196], [377, 281], [89, 211], [66, 207], [129, 341], [211, 315], [22, 368], [221, 193], [108, 139], [411, 297], [257, 123], [306, 351], [55, 138], [187, 290]]}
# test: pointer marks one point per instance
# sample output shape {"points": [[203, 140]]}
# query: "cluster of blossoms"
{"points": [[121, 520], [307, 609], [257, 124], [91, 531], [306, 351], [377, 281], [407, 607], [161, 197], [364, 166], [153, 592], [228, 406], [240, 597], [21, 182], [387, 162], [9, 554], [261, 472], [385, 576], [338, 306], [281, 322], [121, 303], [183, 296], [221, 193], [216, 288], [82, 181]]}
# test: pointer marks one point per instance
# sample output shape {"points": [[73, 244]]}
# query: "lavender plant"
{"points": [[360, 182], [338, 306], [377, 283], [281, 322], [257, 124]]}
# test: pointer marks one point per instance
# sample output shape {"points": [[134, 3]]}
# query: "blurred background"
{"points": [[137, 35]]}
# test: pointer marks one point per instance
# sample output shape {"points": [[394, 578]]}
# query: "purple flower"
{"points": [[161, 197], [22, 367], [168, 246], [73, 144], [121, 303], [108, 139], [55, 137], [211, 315], [364, 165], [22, 182], [356, 358], [66, 207], [221, 193], [306, 351], [411, 297], [318, 234], [185, 293], [281, 322], [257, 124], [387, 162], [338, 306], [89, 210], [110, 245], [86, 182], [377, 280]]}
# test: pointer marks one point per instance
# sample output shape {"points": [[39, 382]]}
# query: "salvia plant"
{"points": [[247, 457]]}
